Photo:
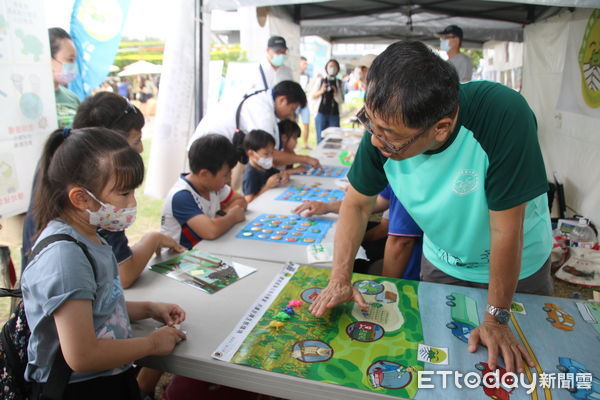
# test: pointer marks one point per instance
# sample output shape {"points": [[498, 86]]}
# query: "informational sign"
{"points": [[27, 106], [580, 90], [96, 27]]}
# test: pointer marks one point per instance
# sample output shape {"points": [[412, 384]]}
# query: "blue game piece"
{"points": [[289, 310]]}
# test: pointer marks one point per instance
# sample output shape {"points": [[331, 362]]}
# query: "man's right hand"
{"points": [[336, 292], [310, 208]]}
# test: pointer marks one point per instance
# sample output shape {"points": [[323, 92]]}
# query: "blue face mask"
{"points": [[278, 60], [444, 44]]}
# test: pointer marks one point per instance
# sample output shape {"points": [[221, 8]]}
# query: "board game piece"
{"points": [[276, 324], [291, 229], [289, 310], [327, 172], [432, 355], [311, 193], [282, 316], [295, 303]]}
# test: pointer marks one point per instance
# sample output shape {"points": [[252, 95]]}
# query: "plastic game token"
{"points": [[315, 230], [267, 230], [300, 229], [276, 237], [257, 224], [276, 222], [332, 199], [255, 229], [270, 216], [298, 198], [291, 239], [286, 226], [292, 222], [306, 224], [282, 232], [263, 236], [297, 233], [247, 233], [308, 240], [323, 194], [283, 216]]}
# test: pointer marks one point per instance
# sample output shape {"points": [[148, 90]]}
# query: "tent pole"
{"points": [[198, 67]]}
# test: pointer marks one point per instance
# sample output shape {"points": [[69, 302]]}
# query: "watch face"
{"points": [[502, 316]]}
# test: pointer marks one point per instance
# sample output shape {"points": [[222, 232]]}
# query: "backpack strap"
{"points": [[60, 373], [238, 112], [264, 78]]}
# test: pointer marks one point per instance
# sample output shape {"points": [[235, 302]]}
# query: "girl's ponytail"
{"points": [[43, 205]]}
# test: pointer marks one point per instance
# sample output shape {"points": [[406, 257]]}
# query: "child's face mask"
{"points": [[67, 73], [111, 218], [265, 162]]}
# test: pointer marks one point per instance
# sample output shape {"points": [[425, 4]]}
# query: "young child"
{"points": [[112, 111], [289, 133], [260, 175], [201, 205], [87, 175]]}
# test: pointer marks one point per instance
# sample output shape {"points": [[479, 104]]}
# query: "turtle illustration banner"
{"points": [[580, 89], [27, 105], [96, 27]]}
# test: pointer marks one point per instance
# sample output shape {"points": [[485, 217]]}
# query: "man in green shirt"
{"points": [[465, 161]]}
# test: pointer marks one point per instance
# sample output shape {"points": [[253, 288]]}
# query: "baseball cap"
{"points": [[276, 43], [453, 30]]}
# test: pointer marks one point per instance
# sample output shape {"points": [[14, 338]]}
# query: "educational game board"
{"points": [[327, 172], [291, 229], [412, 327], [311, 193]]}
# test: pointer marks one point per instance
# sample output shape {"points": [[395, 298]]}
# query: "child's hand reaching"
{"points": [[169, 314], [273, 181], [164, 340], [285, 178], [167, 242], [237, 213]]}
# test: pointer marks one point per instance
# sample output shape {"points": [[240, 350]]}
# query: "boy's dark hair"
{"points": [[289, 128], [408, 83], [109, 110], [292, 91], [88, 158], [211, 152], [56, 35], [258, 139]]}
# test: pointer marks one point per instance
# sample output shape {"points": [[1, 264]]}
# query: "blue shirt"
{"points": [[59, 273], [255, 179], [402, 224]]}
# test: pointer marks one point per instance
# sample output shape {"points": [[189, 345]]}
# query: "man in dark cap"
{"points": [[450, 42], [271, 70]]}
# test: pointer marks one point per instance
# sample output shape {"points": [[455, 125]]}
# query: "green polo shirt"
{"points": [[492, 161], [66, 106]]}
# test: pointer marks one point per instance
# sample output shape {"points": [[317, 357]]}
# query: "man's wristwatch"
{"points": [[501, 315]]}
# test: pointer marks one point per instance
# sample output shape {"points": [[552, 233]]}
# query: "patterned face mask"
{"points": [[67, 73], [111, 218]]}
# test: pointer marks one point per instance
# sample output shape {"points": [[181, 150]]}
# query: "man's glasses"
{"points": [[130, 108], [389, 147]]}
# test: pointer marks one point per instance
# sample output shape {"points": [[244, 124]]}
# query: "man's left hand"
{"points": [[499, 340]]}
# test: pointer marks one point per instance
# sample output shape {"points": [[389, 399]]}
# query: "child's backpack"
{"points": [[14, 339]]}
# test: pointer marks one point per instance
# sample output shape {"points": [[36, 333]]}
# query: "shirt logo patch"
{"points": [[466, 182]]}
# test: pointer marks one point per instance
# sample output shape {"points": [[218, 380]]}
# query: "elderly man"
{"points": [[465, 161]]}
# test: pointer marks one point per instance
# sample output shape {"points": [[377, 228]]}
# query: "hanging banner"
{"points": [[580, 90], [96, 27], [27, 106]]}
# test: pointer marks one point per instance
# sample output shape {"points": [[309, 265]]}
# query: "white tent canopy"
{"points": [[141, 68]]}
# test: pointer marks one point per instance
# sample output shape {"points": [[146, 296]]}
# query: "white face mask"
{"points": [[444, 44], [111, 218], [67, 73], [265, 162], [332, 71]]}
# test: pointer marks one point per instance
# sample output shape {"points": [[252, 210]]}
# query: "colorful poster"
{"points": [[28, 109], [374, 350], [580, 89], [412, 342]]}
